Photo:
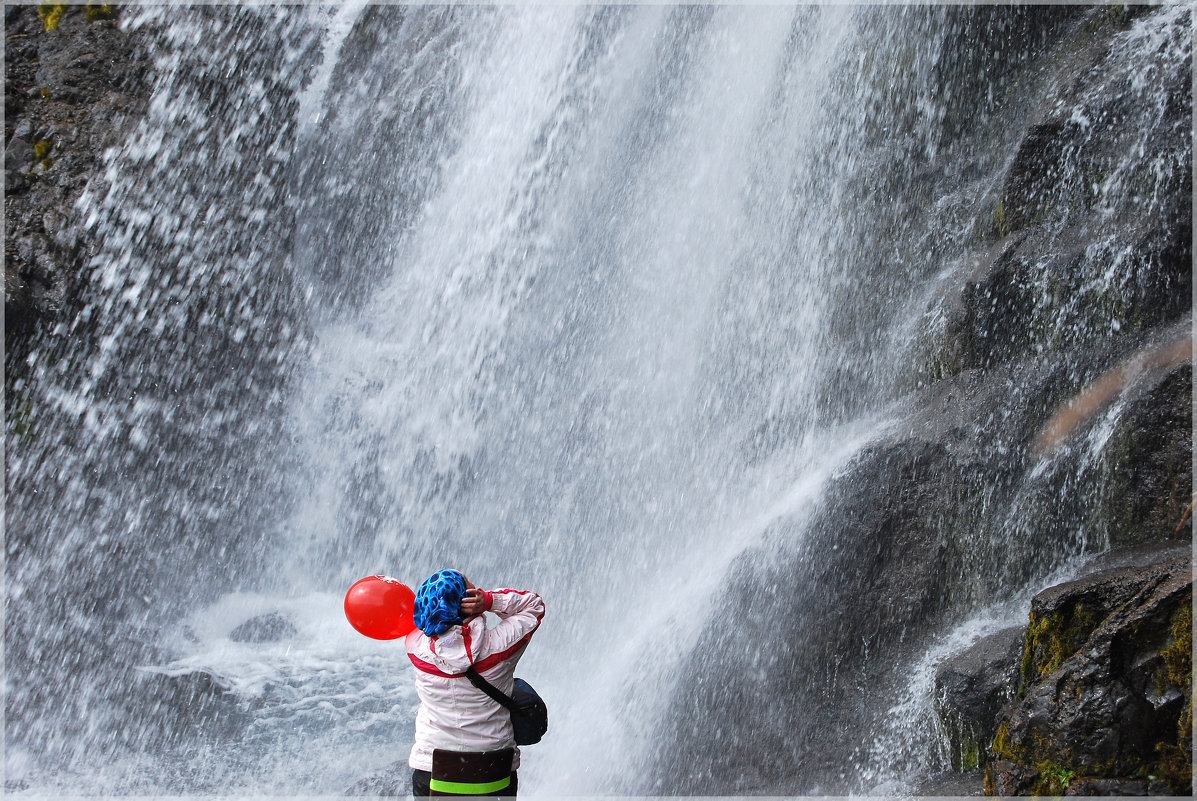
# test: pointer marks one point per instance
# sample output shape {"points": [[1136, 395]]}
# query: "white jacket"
{"points": [[455, 715]]}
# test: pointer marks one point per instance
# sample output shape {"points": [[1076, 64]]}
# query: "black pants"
{"points": [[421, 778]]}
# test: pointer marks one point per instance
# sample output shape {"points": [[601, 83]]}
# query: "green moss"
{"points": [[970, 753], [51, 14], [1175, 767], [1175, 764], [1179, 655], [96, 11], [966, 749], [1038, 630], [22, 419], [999, 219], [1053, 779], [1051, 774], [999, 740], [41, 153], [1050, 640]]}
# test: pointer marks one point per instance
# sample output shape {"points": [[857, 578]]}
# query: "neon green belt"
{"points": [[469, 788]]}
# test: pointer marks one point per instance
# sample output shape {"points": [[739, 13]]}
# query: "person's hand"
{"points": [[474, 602]]}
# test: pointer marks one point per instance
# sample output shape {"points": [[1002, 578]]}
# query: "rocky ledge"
{"points": [[1098, 698]]}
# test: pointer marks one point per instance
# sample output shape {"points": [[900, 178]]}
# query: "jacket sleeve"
{"points": [[519, 614]]}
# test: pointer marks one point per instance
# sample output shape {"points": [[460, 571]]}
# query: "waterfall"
{"points": [[606, 302]]}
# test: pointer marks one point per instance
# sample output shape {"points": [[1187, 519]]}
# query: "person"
{"points": [[464, 744]]}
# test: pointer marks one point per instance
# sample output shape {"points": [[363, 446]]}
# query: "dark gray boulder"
{"points": [[268, 627], [19, 155], [1105, 687], [1145, 497], [173, 708], [395, 780], [971, 688]]}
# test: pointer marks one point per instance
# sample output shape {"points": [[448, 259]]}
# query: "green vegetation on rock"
{"points": [[96, 11], [1176, 763], [1179, 656], [1053, 638], [1053, 779], [51, 14], [999, 219], [41, 153], [1069, 725]]}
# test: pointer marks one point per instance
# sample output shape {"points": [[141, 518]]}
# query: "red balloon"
{"points": [[380, 607]]}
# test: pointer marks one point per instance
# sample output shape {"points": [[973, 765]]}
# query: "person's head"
{"points": [[438, 602]]}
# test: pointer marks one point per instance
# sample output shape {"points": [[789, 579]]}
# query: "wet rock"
{"points": [[1147, 469], [956, 784], [175, 707], [776, 694], [1057, 233], [18, 156], [270, 627], [69, 94], [1107, 787], [1105, 685], [193, 690], [971, 688], [394, 781], [904, 527], [1081, 129]]}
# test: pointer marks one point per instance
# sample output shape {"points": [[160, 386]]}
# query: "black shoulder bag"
{"points": [[529, 715]]}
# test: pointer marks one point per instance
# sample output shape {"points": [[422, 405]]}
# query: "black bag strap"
{"points": [[494, 692]]}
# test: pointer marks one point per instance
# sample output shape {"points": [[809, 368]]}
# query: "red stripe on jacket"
{"points": [[503, 656], [428, 667]]}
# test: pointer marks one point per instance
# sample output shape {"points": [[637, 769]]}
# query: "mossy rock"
{"points": [[970, 689], [1175, 765], [1053, 637], [51, 14], [1105, 699], [99, 11]]}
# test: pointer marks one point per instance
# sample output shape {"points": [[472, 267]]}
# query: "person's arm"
{"points": [[504, 603], [519, 615], [509, 603]]}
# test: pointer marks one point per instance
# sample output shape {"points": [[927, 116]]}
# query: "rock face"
{"points": [[198, 345], [394, 781], [1045, 288], [182, 705], [971, 688], [269, 627], [69, 93], [1105, 694]]}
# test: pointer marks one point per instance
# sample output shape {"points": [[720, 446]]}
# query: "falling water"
{"points": [[595, 301]]}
